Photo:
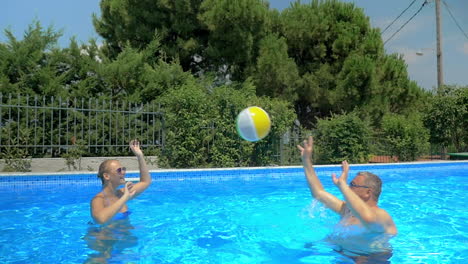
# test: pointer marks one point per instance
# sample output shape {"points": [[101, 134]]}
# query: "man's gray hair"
{"points": [[374, 183]]}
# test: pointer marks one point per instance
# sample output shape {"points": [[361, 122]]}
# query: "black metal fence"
{"points": [[52, 126]]}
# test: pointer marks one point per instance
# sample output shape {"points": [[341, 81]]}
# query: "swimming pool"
{"points": [[260, 215]]}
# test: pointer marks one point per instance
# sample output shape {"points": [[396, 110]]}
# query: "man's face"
{"points": [[360, 188]]}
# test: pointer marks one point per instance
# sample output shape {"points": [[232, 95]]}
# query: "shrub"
{"points": [[407, 137], [447, 118], [342, 137], [201, 129]]}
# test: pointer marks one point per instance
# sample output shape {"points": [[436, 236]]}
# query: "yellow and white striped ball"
{"points": [[253, 123]]}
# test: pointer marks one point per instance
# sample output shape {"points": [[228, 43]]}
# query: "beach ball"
{"points": [[253, 123]]}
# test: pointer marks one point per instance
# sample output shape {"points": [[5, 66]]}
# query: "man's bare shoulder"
{"points": [[382, 214], [386, 220]]}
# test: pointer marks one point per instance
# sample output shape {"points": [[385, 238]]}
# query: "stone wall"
{"points": [[87, 164]]}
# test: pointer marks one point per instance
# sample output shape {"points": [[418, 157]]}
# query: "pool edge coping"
{"points": [[26, 174]]}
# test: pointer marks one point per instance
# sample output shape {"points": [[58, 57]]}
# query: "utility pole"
{"points": [[440, 75]]}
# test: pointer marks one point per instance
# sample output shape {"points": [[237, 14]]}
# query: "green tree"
{"points": [[123, 76], [339, 59], [276, 73], [160, 75], [447, 118], [135, 22], [80, 66], [235, 30], [27, 65]]}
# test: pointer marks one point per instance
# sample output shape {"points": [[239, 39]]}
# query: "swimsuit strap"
{"points": [[120, 216]]}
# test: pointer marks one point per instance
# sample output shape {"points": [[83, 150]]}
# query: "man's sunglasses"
{"points": [[352, 184], [121, 170]]}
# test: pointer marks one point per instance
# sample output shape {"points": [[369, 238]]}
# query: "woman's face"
{"points": [[115, 173]]}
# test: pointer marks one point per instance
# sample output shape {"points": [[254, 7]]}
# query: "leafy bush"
{"points": [[447, 118], [342, 137], [17, 158], [201, 129], [74, 155], [407, 136]]}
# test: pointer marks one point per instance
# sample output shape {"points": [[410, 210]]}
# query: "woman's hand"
{"points": [[129, 191], [135, 148]]}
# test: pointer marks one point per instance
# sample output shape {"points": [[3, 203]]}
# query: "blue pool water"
{"points": [[230, 216]]}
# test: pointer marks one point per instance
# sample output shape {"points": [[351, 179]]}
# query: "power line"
{"points": [[417, 12], [456, 22], [398, 16]]}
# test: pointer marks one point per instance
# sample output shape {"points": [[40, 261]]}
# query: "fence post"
{"points": [[35, 124], [1, 119], [60, 125], [82, 120], [18, 98], [27, 121]]}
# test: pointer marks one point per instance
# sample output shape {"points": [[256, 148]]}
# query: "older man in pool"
{"points": [[361, 196]]}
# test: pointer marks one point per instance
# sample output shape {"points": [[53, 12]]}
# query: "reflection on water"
{"points": [[360, 245], [343, 255], [373, 258], [110, 241], [351, 243]]}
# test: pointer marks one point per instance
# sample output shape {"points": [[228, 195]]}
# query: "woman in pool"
{"points": [[110, 203]]}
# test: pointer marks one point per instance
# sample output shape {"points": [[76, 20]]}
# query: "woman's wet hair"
{"points": [[374, 182]]}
